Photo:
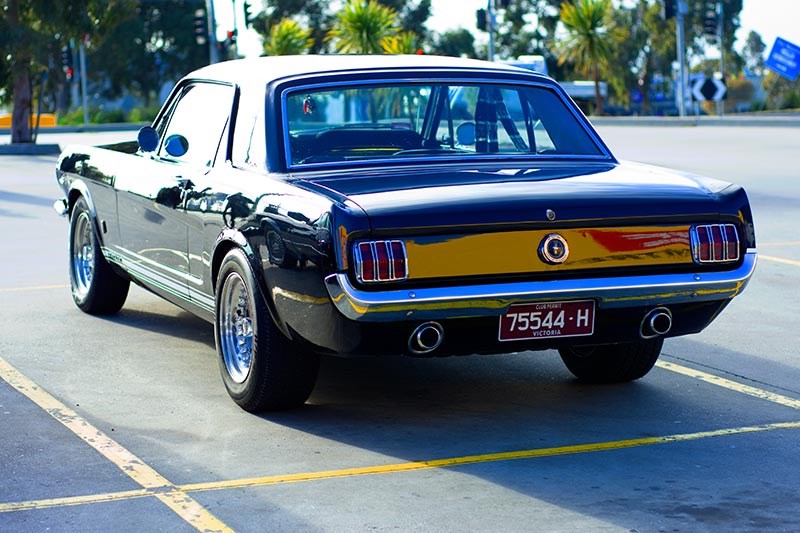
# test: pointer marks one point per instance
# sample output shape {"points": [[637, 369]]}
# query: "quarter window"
{"points": [[199, 116]]}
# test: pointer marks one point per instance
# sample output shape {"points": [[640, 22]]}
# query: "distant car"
{"points": [[426, 206]]}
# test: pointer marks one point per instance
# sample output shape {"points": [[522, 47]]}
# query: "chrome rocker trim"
{"points": [[494, 299]]}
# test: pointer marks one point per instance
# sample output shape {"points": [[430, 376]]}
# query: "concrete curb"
{"points": [[29, 149], [120, 126], [751, 121]]}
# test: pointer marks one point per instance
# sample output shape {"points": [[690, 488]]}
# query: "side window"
{"points": [[249, 143], [199, 117]]}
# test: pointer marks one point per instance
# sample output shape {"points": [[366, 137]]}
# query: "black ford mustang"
{"points": [[353, 205]]}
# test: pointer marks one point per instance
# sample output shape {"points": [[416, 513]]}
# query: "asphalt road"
{"points": [[123, 424]]}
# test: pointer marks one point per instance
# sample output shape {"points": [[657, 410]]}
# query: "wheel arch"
{"points": [[78, 190], [231, 239]]}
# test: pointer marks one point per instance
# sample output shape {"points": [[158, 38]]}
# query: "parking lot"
{"points": [[122, 423]]}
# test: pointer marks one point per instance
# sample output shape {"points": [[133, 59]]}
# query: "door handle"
{"points": [[184, 183]]}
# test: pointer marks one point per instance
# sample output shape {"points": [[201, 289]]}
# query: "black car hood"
{"points": [[465, 196]]}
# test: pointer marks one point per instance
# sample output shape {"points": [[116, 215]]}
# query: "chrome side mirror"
{"points": [[176, 145], [465, 133], [147, 139]]}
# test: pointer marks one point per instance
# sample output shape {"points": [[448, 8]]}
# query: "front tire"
{"points": [[612, 363], [262, 369], [96, 288]]}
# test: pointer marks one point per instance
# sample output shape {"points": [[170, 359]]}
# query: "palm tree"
{"points": [[288, 38], [404, 42], [362, 26], [587, 41]]}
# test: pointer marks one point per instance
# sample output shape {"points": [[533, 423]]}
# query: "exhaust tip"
{"points": [[656, 322], [426, 338]]}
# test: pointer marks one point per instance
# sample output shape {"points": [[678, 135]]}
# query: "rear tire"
{"points": [[262, 369], [96, 288], [612, 363]]}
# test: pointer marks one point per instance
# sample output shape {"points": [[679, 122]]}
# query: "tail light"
{"points": [[715, 243], [377, 261]]}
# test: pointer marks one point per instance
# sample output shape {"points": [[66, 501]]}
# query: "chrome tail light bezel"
{"points": [[367, 256], [715, 243]]}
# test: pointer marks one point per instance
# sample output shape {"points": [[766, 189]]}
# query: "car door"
{"points": [[151, 195]]}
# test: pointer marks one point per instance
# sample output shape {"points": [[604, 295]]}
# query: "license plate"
{"points": [[547, 320]]}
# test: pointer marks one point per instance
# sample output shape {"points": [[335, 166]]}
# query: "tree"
{"points": [[413, 15], [158, 44], [643, 47], [528, 27], [404, 42], [587, 44], [781, 93], [699, 41], [34, 31], [455, 43], [311, 14], [288, 38], [361, 27], [753, 52]]}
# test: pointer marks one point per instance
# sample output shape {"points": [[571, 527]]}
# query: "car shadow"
{"points": [[179, 323], [401, 409]]}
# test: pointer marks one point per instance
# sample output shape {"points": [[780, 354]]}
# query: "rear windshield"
{"points": [[431, 121]]}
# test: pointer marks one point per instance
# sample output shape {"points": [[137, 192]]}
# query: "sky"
{"points": [[770, 18]]}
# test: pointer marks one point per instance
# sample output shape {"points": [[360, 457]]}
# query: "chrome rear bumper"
{"points": [[493, 299]]}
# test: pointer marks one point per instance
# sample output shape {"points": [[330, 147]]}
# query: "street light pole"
{"points": [[720, 103], [213, 53], [683, 9], [235, 33], [490, 15]]}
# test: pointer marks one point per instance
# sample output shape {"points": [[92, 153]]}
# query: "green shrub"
{"points": [[791, 100], [146, 114], [101, 115]]}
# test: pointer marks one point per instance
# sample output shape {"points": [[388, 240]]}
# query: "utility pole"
{"points": [[490, 16], [683, 9], [84, 96], [720, 103], [213, 53], [235, 33]]}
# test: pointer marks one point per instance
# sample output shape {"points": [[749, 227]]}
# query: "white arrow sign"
{"points": [[709, 89]]}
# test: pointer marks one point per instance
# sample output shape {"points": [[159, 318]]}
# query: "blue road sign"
{"points": [[784, 59]]}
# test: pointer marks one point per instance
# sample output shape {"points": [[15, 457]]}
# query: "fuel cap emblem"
{"points": [[553, 249]]}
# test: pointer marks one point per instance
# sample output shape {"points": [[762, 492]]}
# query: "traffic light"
{"points": [[480, 19], [668, 9], [66, 62], [200, 24], [710, 23], [248, 18]]}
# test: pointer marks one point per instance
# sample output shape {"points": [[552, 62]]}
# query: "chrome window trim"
{"points": [[604, 156], [429, 303]]}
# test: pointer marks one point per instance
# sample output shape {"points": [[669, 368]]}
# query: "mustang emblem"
{"points": [[554, 249]]}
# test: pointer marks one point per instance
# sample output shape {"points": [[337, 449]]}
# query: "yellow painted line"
{"points": [[731, 385], [34, 288], [785, 243], [181, 492], [74, 500], [180, 502], [484, 458], [178, 499], [779, 260]]}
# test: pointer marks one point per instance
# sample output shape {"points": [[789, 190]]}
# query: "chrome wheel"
{"points": [[83, 255], [236, 327]]}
